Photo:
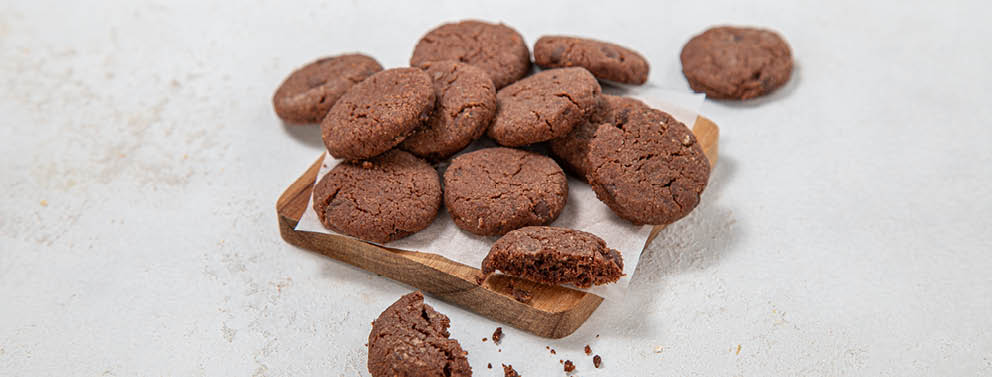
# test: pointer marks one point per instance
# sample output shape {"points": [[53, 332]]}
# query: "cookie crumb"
{"points": [[498, 335], [738, 349], [569, 366], [521, 295], [597, 361], [588, 350], [44, 203], [509, 372], [553, 352], [489, 365]]}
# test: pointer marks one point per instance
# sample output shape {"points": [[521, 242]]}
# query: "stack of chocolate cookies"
{"points": [[392, 128]]}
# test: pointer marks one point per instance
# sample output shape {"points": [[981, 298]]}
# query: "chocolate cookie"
{"points": [[554, 256], [380, 200], [647, 166], [572, 150], [309, 92], [378, 113], [466, 104], [544, 106], [495, 190], [497, 49], [411, 339], [736, 62], [604, 60]]}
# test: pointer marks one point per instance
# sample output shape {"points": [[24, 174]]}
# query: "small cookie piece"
{"points": [[495, 190], [508, 371], [496, 48], [647, 166], [384, 199], [544, 106], [309, 92], [606, 61], [552, 255], [411, 339], [378, 113], [466, 104], [729, 62], [572, 150]]}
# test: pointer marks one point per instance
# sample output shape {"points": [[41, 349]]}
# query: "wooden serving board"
{"points": [[552, 311]]}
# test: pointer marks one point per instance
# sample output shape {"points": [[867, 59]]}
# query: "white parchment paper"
{"points": [[582, 211]]}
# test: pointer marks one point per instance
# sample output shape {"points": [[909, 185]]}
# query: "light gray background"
{"points": [[845, 231]]}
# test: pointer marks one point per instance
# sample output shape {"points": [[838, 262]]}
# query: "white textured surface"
{"points": [[846, 231]]}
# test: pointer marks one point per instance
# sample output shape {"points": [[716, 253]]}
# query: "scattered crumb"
{"points": [[553, 352], [484, 339], [499, 350], [498, 335], [588, 350], [658, 349], [597, 361], [44, 203], [738, 349], [490, 365], [509, 372], [547, 347], [560, 361], [366, 345], [597, 336], [521, 295], [569, 366]]}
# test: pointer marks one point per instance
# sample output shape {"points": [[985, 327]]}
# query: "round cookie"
{"points": [[544, 106], [606, 61], [309, 92], [378, 113], [410, 338], [729, 62], [466, 104], [380, 200], [495, 190], [647, 166], [496, 48]]}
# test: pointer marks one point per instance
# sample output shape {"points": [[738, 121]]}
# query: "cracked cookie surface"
{"points": [[604, 60], [411, 339], [495, 190], [378, 113], [647, 166], [380, 200], [572, 150], [466, 104], [553, 255], [310, 91], [544, 106], [729, 62], [495, 48]]}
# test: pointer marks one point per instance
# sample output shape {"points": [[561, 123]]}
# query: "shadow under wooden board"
{"points": [[552, 311]]}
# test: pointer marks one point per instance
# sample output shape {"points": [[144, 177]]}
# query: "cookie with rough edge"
{"points": [[606, 61], [554, 256], [495, 48], [544, 106], [410, 338]]}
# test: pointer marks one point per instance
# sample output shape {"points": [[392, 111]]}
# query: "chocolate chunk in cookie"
{"points": [[380, 200], [554, 256], [466, 105], [411, 339], [606, 61], [544, 106], [496, 48], [378, 113], [309, 92], [736, 62], [647, 166], [495, 190]]}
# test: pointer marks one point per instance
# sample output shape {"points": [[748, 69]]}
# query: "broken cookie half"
{"points": [[411, 339], [553, 255]]}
